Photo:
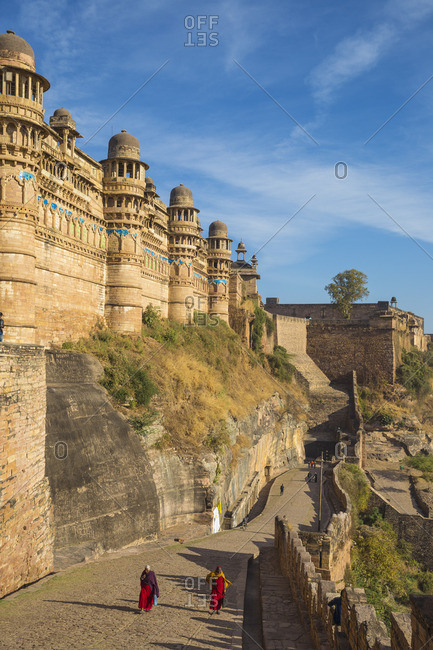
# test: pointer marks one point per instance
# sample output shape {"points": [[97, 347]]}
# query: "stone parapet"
{"points": [[360, 628]]}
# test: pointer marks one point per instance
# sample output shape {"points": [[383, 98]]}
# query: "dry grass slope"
{"points": [[193, 377]]}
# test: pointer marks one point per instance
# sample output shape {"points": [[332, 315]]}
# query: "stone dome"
{"points": [[61, 112], [241, 246], [124, 145], [149, 181], [181, 196], [14, 50], [217, 229]]}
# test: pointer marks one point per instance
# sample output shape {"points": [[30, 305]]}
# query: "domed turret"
{"points": [[217, 229], [61, 118], [61, 112], [14, 50], [149, 183], [124, 145], [181, 196]]}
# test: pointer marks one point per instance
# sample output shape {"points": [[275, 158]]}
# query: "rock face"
{"points": [[101, 483], [111, 487], [231, 479]]}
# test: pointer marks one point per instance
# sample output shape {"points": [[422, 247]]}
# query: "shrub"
{"points": [[423, 462], [356, 485], [416, 372], [279, 362], [151, 315]]}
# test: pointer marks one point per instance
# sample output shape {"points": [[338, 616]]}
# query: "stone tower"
{"points": [[219, 269], [21, 131], [187, 252], [124, 197]]}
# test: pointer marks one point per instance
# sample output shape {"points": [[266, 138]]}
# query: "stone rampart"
{"points": [[360, 628], [414, 529], [330, 550], [26, 548]]}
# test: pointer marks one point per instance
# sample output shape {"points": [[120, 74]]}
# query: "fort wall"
{"points": [[338, 348], [26, 549], [290, 333], [370, 342], [360, 628]]}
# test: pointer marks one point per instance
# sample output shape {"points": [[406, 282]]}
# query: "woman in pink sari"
{"points": [[149, 589]]}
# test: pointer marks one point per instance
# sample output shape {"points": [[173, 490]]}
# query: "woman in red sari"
{"points": [[219, 584], [149, 589]]}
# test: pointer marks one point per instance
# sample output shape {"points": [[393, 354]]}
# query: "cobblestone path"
{"points": [[95, 605]]}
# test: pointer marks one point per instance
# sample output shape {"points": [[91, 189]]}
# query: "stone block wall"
{"points": [[360, 628], [26, 543], [415, 529], [71, 289], [339, 348], [330, 550], [290, 333]]}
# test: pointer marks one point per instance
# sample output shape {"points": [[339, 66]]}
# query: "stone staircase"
{"points": [[310, 374], [284, 624]]}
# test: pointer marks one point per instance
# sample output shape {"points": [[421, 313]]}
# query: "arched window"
{"points": [[12, 132], [129, 170], [121, 169]]}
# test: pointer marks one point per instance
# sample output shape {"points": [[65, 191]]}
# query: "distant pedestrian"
{"points": [[219, 583], [281, 490], [315, 478], [149, 593], [2, 325], [336, 604], [308, 477]]}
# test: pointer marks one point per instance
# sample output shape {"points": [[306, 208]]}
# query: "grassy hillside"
{"points": [[189, 378]]}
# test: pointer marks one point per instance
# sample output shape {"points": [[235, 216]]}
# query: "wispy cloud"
{"points": [[360, 52]]}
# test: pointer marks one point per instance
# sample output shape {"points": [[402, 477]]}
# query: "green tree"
{"points": [[347, 287]]}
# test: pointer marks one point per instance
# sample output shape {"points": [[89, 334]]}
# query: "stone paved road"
{"points": [[95, 605]]}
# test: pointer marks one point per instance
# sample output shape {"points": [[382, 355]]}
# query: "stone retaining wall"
{"points": [[360, 628], [26, 544]]}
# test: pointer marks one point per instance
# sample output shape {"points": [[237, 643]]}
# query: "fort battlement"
{"points": [[82, 240]]}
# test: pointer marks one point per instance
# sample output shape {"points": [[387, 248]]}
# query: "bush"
{"points": [[151, 315], [258, 329], [423, 462], [416, 372], [279, 362], [356, 485]]}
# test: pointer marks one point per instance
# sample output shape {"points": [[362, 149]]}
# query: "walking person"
{"points": [[281, 490], [2, 325], [219, 583], [149, 593]]}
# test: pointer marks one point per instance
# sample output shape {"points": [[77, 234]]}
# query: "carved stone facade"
{"points": [[82, 240]]}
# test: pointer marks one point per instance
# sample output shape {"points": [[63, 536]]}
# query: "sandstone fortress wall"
{"points": [[370, 342], [26, 517], [82, 240]]}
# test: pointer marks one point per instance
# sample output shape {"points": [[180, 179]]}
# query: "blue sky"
{"points": [[339, 68]]}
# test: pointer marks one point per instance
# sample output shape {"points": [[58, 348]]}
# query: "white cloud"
{"points": [[352, 56], [360, 52]]}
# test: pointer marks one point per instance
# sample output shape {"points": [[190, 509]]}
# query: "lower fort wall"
{"points": [[26, 551], [360, 628], [338, 348], [70, 294]]}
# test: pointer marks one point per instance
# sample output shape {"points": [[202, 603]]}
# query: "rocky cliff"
{"points": [[111, 487]]}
